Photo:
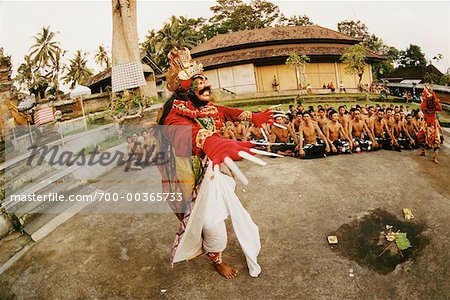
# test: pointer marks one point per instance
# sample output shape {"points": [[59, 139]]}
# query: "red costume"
{"points": [[192, 139], [429, 132]]}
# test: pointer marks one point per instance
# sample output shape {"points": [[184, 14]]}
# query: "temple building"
{"points": [[251, 61]]}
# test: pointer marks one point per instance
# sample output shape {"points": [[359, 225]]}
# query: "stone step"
{"points": [[40, 224]]}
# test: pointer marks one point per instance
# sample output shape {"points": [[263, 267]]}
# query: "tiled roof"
{"points": [[271, 35], [277, 51]]}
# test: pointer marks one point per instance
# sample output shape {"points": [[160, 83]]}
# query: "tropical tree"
{"points": [[387, 66], [101, 57], [355, 60], [176, 32], [295, 21], [235, 15], [44, 50], [25, 71], [355, 29], [29, 76], [78, 72], [57, 71], [298, 62], [412, 56]]}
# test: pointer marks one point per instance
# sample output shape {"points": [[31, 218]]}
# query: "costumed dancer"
{"points": [[198, 170], [429, 135]]}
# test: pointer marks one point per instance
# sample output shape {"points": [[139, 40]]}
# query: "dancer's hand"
{"points": [[264, 117], [221, 150], [218, 148]]}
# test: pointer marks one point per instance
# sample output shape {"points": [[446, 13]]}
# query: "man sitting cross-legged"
{"points": [[322, 119], [412, 129], [312, 142], [226, 132], [343, 117], [336, 135], [283, 136], [400, 132], [383, 134], [356, 130], [239, 130], [254, 133]]}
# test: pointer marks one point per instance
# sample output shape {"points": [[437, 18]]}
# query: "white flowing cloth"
{"points": [[216, 201]]}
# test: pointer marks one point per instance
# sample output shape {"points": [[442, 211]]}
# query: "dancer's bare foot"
{"points": [[435, 159], [421, 152], [225, 270]]}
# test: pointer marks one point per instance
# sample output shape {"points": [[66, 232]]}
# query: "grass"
{"points": [[91, 124], [106, 144]]}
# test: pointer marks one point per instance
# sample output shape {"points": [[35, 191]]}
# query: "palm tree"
{"points": [[25, 73], [78, 71], [176, 32], [57, 70], [101, 57], [45, 47]]}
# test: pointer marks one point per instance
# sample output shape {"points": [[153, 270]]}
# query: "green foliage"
{"points": [[78, 71], [299, 63], [434, 78], [446, 79], [355, 29], [42, 66], [235, 15], [126, 105], [402, 241], [177, 32], [44, 50], [355, 60], [101, 57], [298, 20], [295, 61], [411, 57], [381, 68]]}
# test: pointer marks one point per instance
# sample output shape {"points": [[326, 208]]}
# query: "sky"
{"points": [[86, 24]]}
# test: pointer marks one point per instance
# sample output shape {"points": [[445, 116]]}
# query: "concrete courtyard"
{"points": [[295, 203]]}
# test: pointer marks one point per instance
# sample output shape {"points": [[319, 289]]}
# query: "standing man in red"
{"points": [[190, 113], [429, 133]]}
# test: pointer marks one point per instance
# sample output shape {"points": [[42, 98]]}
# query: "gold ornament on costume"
{"points": [[181, 68]]}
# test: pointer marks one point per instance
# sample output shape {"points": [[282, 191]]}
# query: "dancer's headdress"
{"points": [[181, 69], [428, 93]]}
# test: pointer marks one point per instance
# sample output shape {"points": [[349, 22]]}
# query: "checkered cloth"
{"points": [[43, 116], [127, 76]]}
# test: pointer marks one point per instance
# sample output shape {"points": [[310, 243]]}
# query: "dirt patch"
{"points": [[363, 241]]}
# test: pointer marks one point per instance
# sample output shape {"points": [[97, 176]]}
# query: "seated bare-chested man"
{"points": [[343, 118], [336, 135], [400, 132], [149, 143], [284, 136], [239, 130], [135, 154], [322, 119], [412, 128], [297, 121], [360, 134], [389, 118], [226, 132], [254, 133], [312, 142], [370, 118], [383, 134]]}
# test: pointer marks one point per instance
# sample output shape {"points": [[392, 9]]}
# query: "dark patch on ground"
{"points": [[362, 241]]}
